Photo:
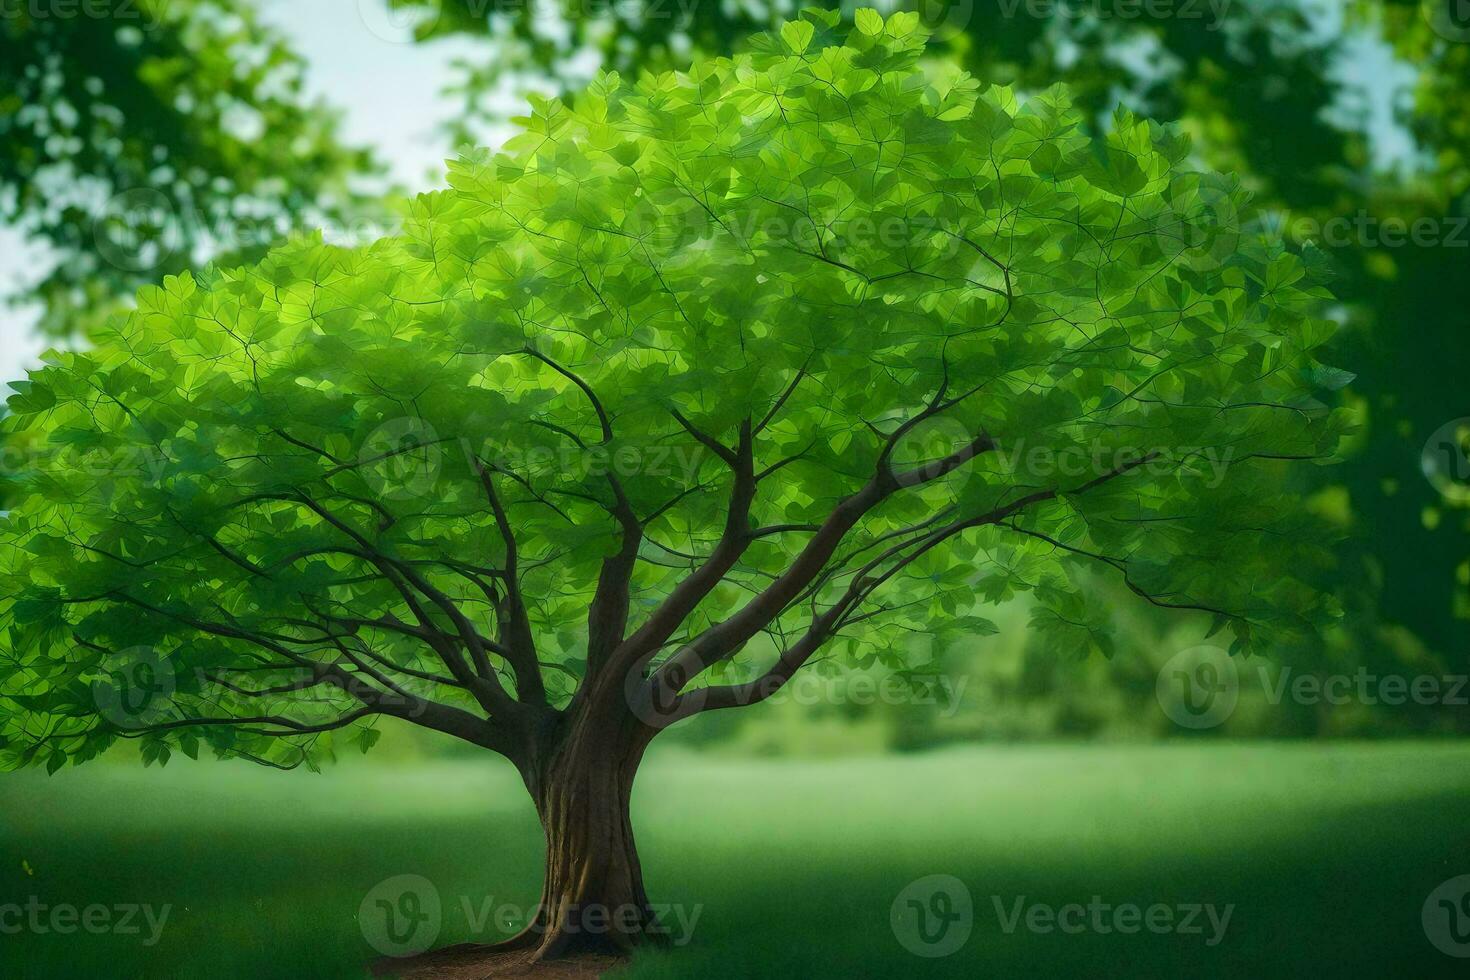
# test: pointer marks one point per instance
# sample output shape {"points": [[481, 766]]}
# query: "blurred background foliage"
{"points": [[184, 124], [185, 118]]}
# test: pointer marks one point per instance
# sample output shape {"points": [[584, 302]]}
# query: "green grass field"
{"points": [[1327, 853]]}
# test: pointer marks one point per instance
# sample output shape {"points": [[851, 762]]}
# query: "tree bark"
{"points": [[593, 901]]}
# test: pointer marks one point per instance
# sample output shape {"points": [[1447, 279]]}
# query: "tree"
{"points": [[138, 135], [703, 379]]}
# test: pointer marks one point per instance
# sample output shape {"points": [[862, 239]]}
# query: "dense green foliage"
{"points": [[701, 323], [1278, 92]]}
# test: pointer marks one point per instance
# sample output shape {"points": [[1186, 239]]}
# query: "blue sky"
{"points": [[360, 61]]}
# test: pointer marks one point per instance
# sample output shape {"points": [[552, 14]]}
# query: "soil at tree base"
{"points": [[471, 962]]}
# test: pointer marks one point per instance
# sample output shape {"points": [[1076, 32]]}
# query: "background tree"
{"points": [[140, 137], [701, 380], [1411, 294]]}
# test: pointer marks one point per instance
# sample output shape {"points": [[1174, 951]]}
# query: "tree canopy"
{"points": [[704, 377], [1273, 91]]}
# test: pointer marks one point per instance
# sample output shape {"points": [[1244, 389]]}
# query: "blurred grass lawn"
{"points": [[1327, 850]]}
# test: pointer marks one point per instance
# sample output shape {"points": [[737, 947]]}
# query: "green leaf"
{"points": [[367, 738], [798, 35], [869, 21], [1331, 378], [31, 397]]}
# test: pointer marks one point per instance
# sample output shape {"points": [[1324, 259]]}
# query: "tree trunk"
{"points": [[593, 901]]}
